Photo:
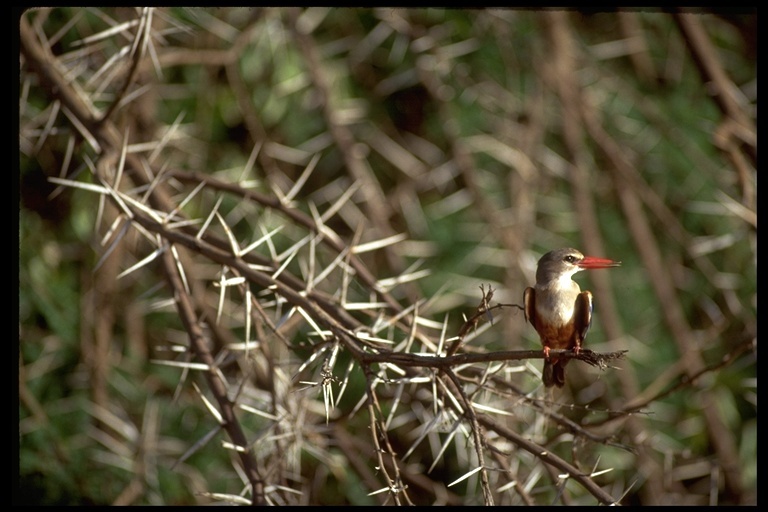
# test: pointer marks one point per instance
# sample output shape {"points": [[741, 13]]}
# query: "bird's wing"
{"points": [[582, 314], [529, 303]]}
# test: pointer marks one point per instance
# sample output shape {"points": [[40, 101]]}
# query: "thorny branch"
{"points": [[324, 309], [287, 296], [219, 388]]}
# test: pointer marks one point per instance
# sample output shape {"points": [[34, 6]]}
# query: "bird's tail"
{"points": [[553, 373]]}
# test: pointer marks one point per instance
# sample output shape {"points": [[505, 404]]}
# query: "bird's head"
{"points": [[561, 264]]}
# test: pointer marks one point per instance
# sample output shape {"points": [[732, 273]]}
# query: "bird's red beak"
{"points": [[590, 262]]}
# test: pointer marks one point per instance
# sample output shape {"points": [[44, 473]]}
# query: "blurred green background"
{"points": [[490, 137]]}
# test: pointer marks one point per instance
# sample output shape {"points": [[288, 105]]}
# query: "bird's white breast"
{"points": [[557, 307]]}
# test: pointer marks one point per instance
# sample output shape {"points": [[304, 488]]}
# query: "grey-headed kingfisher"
{"points": [[557, 308]]}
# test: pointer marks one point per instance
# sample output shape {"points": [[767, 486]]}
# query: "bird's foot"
{"points": [[546, 352]]}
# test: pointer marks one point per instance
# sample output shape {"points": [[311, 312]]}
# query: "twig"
{"points": [[477, 435], [218, 388], [548, 457]]}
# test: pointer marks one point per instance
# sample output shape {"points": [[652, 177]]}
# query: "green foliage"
{"points": [[456, 120]]}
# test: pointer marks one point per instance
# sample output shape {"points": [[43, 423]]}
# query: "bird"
{"points": [[557, 308]]}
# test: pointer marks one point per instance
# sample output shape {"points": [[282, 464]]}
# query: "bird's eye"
{"points": [[570, 259]]}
